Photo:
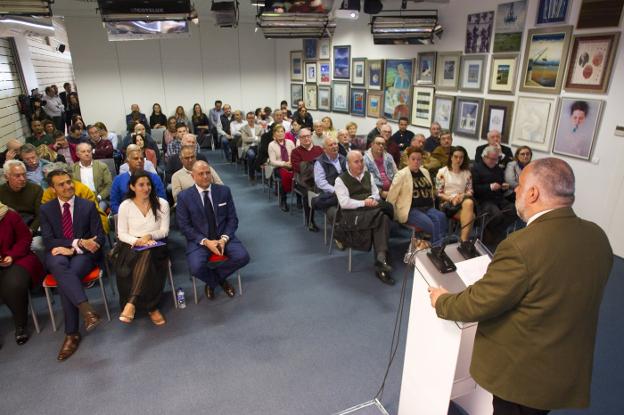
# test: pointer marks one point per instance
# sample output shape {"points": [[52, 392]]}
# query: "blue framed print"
{"points": [[310, 49], [342, 62], [552, 11], [358, 102]]}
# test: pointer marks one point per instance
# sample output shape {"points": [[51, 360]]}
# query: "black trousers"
{"points": [[500, 215], [503, 407], [14, 284]]}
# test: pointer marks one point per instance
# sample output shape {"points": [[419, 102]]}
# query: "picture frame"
{"points": [[310, 96], [447, 70], [358, 102], [311, 71], [443, 110], [503, 72], [310, 49], [324, 98], [296, 65], [552, 11], [374, 104], [533, 122], [358, 71], [467, 119], [296, 94], [479, 29], [590, 62], [509, 26], [577, 125], [340, 96], [545, 56], [497, 115], [324, 48], [324, 72], [424, 70], [397, 88], [472, 70], [599, 13], [422, 106], [342, 62], [374, 74]]}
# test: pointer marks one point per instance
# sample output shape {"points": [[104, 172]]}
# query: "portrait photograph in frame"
{"points": [[397, 88], [374, 74], [324, 48], [591, 62], [310, 96], [374, 104], [467, 119], [358, 71], [342, 62], [509, 26], [443, 106], [296, 65], [479, 29], [311, 72], [599, 13], [422, 106], [424, 71], [447, 70], [340, 96], [471, 72], [533, 122], [544, 62], [296, 94], [324, 98], [497, 115], [310, 49], [503, 70], [578, 121], [358, 102], [552, 11], [324, 72]]}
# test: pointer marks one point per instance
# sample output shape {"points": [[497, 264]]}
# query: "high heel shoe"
{"points": [[157, 318], [127, 315]]}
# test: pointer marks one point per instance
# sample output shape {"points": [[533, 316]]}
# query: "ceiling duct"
{"points": [[296, 25], [225, 13], [419, 27], [10, 26], [26, 7]]}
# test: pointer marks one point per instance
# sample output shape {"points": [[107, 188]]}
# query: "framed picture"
{"points": [[447, 70], [544, 60], [296, 94], [443, 111], [310, 72], [472, 70], [590, 62], [324, 48], [324, 72], [599, 13], [397, 88], [468, 116], [324, 98], [358, 102], [310, 49], [424, 72], [479, 32], [577, 127], [497, 115], [533, 122], [358, 71], [422, 106], [374, 74], [503, 70], [296, 65], [310, 96], [374, 104], [342, 62], [552, 11], [509, 26], [340, 96]]}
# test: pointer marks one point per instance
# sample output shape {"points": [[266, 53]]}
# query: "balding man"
{"points": [[434, 138], [136, 117], [428, 162], [93, 173], [375, 132], [327, 168], [11, 152], [538, 303], [182, 179], [207, 218], [494, 139], [175, 162], [318, 133], [20, 194]]}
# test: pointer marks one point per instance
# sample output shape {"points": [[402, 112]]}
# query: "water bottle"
{"points": [[180, 298]]}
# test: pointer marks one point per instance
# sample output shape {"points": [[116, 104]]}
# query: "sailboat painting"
{"points": [[544, 59], [509, 26]]}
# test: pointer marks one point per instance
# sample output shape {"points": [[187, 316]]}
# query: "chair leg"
{"points": [[325, 229], [109, 274], [47, 293], [173, 291], [240, 285], [194, 290], [34, 315], [349, 259], [331, 237], [105, 298]]}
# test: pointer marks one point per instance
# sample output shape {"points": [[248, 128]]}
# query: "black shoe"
{"points": [[284, 206], [382, 266], [385, 277], [312, 227], [210, 294], [21, 336]]}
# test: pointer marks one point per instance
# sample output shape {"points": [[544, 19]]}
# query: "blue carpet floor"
{"points": [[306, 336]]}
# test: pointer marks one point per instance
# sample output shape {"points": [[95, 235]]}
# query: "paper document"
{"points": [[471, 270]]}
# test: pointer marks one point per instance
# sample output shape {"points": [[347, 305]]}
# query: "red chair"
{"points": [[95, 275]]}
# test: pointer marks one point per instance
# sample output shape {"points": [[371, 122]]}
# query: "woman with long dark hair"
{"points": [[157, 119], [73, 108]]}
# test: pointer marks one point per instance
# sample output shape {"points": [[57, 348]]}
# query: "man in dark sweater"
{"points": [[403, 136], [434, 139], [375, 132], [20, 194], [494, 139]]}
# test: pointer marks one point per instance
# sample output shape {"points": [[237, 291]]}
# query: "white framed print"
{"points": [[533, 122], [310, 72], [422, 106], [358, 71], [472, 70]]}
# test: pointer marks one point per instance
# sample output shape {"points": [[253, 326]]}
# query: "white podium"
{"points": [[438, 352]]}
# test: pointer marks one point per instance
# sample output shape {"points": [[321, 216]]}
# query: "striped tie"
{"points": [[68, 232]]}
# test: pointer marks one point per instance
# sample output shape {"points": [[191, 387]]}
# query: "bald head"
{"points": [[189, 139], [13, 144], [355, 162], [201, 173]]}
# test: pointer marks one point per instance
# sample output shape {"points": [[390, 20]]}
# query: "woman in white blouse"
{"points": [[142, 221], [454, 185], [279, 157]]}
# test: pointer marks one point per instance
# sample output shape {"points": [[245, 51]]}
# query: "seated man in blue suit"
{"points": [[207, 217], [73, 235]]}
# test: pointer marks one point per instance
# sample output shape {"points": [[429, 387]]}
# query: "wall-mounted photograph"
{"points": [[503, 70], [296, 94], [509, 26], [340, 96], [324, 48], [358, 71], [577, 127], [311, 72], [447, 70], [497, 115], [443, 106], [471, 74], [324, 98]]}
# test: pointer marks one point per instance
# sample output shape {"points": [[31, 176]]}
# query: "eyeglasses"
{"points": [[305, 135], [524, 153]]}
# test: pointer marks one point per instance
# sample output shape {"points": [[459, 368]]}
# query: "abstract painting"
{"points": [[342, 62], [374, 104], [358, 102], [422, 106], [324, 73], [310, 49], [552, 11], [479, 32], [591, 62]]}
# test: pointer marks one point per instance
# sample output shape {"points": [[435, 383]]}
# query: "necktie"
{"points": [[68, 230], [210, 216]]}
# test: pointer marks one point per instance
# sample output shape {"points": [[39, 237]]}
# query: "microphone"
{"points": [[439, 259], [467, 249]]}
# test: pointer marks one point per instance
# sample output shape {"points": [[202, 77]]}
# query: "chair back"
{"points": [[158, 135]]}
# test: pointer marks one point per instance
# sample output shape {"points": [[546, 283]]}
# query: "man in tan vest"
{"points": [[538, 303]]}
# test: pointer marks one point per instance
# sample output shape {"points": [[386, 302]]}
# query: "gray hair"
{"points": [[28, 148], [12, 163], [50, 167], [132, 148], [352, 153], [490, 149], [555, 178], [80, 145]]}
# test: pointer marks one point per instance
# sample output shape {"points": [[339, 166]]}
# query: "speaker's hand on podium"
{"points": [[435, 293]]}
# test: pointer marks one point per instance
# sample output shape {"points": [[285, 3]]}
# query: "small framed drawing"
{"points": [[590, 62], [324, 98], [358, 102], [309, 96], [340, 96], [296, 65], [497, 115], [472, 70], [310, 49], [310, 72], [544, 60], [552, 11], [374, 74], [324, 48], [443, 111], [296, 94], [358, 71], [503, 70], [374, 104], [533, 122], [324, 73], [422, 106], [577, 127], [424, 72], [468, 116], [479, 29], [342, 62], [447, 70]]}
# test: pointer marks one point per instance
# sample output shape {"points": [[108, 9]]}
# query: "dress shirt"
{"points": [[147, 166], [537, 215], [343, 193], [86, 176], [319, 175], [201, 197], [132, 225], [71, 212], [235, 127], [113, 139]]}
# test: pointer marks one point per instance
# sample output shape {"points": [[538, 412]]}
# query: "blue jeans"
{"points": [[251, 161], [225, 145], [431, 221]]}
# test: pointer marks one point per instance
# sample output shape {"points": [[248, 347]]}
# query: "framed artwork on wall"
{"points": [[472, 70], [342, 62], [599, 13], [590, 62], [397, 88], [374, 74], [296, 94], [544, 62], [552, 11], [468, 116], [577, 127], [310, 72], [497, 115], [424, 72], [358, 102], [324, 98], [340, 96], [296, 65], [503, 70], [422, 106], [324, 73], [443, 106], [310, 49], [324, 48], [533, 122], [447, 70], [479, 32], [374, 104], [358, 72], [509, 26], [310, 96]]}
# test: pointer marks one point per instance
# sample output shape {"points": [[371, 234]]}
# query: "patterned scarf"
{"points": [[283, 151]]}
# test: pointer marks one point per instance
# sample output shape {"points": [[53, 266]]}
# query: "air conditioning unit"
{"points": [[11, 26], [416, 28], [225, 13], [295, 25]]}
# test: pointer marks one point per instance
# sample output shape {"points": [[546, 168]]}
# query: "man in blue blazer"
{"points": [[73, 236], [207, 217]]}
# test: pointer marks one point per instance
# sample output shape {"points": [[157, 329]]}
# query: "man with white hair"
{"points": [[494, 139], [318, 134], [538, 303], [375, 132], [93, 173], [20, 194]]}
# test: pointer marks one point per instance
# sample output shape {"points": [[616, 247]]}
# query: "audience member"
{"points": [[280, 150], [201, 125], [381, 166], [235, 125], [304, 118], [375, 132], [173, 148], [38, 113], [102, 149], [12, 151], [38, 136], [182, 178], [105, 134], [34, 165], [494, 139], [181, 116], [48, 127], [434, 139], [169, 135], [403, 136], [250, 137], [344, 142], [46, 153], [328, 127], [94, 174], [149, 143], [284, 108], [64, 148], [391, 146], [443, 151], [135, 118], [150, 155], [428, 162], [303, 157], [65, 93], [357, 141], [75, 134], [214, 114], [522, 158], [293, 134], [157, 118], [54, 108], [20, 194], [174, 164], [318, 135], [225, 134], [72, 108], [280, 118]]}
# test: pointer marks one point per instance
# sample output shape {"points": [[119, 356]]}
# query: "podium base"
{"points": [[366, 408]]}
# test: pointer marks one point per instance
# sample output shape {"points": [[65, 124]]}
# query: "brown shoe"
{"points": [[227, 287], [157, 318], [70, 345], [210, 294], [91, 320]]}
